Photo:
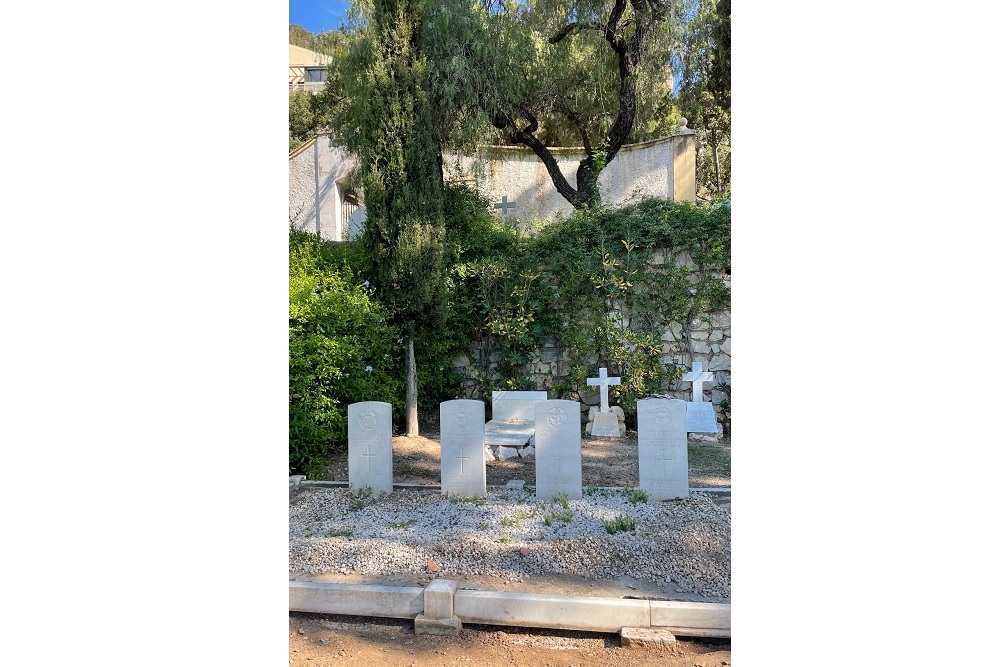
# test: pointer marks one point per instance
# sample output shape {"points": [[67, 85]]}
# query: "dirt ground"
{"points": [[321, 639], [606, 462]]}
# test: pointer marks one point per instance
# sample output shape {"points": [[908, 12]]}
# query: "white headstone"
{"points": [[603, 381], [663, 460], [697, 377], [558, 456], [369, 446], [701, 418], [463, 448]]}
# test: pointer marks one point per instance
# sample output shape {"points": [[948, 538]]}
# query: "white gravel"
{"points": [[506, 535]]}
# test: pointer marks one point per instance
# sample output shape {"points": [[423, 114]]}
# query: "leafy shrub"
{"points": [[340, 351]]}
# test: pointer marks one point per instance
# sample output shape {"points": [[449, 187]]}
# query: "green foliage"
{"points": [[603, 285], [636, 496], [469, 500], [337, 332], [340, 532], [705, 92], [558, 510], [619, 524]]}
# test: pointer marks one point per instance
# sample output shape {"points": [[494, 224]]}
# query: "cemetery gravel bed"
{"points": [[514, 536]]}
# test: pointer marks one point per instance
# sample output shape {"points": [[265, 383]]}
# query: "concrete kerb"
{"points": [[561, 612], [304, 483]]}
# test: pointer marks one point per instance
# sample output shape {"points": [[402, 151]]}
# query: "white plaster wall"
{"points": [[521, 176], [640, 169], [334, 165]]}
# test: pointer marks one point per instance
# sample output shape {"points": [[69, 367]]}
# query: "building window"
{"points": [[315, 74]]}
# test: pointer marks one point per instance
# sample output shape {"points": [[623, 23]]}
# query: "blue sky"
{"points": [[317, 15]]}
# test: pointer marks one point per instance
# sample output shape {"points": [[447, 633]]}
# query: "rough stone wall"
{"points": [[710, 339]]}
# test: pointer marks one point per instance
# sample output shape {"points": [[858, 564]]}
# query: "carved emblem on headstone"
{"points": [[557, 418], [662, 415], [461, 416], [368, 420]]}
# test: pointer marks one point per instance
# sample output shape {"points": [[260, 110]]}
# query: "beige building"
{"points": [[306, 69]]}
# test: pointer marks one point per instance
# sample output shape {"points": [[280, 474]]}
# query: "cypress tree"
{"points": [[403, 189]]}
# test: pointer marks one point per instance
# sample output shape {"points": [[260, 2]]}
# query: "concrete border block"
{"points": [[439, 599], [436, 626], [551, 611], [646, 637], [355, 599], [692, 619]]}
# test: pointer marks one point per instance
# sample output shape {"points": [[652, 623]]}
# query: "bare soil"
{"points": [[322, 639], [606, 462]]}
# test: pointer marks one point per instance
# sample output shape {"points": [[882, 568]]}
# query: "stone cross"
{"points": [[603, 381], [696, 377], [504, 205]]}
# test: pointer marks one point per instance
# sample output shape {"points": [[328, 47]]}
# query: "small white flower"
{"points": [[368, 369], [367, 283]]}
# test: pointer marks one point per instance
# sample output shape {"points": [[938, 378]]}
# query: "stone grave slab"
{"points": [[558, 455], [701, 418], [513, 422], [369, 446], [463, 448], [663, 460], [516, 405]]}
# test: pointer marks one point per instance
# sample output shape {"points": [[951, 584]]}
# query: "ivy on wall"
{"points": [[604, 284]]}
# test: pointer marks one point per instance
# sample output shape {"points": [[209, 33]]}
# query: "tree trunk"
{"points": [[718, 169], [412, 428]]}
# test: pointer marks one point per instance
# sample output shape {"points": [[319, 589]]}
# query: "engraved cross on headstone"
{"points": [[664, 459], [603, 381], [504, 205], [696, 377], [560, 473], [463, 458], [368, 456]]}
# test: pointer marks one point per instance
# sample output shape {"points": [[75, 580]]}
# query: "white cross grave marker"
{"points": [[504, 205], [696, 377], [603, 381]]}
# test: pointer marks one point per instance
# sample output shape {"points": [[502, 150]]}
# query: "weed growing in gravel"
{"points": [[637, 496], [506, 539], [518, 517], [619, 524], [592, 490], [341, 532], [401, 524], [558, 511], [472, 500], [362, 494]]}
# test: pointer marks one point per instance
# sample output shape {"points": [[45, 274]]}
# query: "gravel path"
{"points": [[513, 535]]}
